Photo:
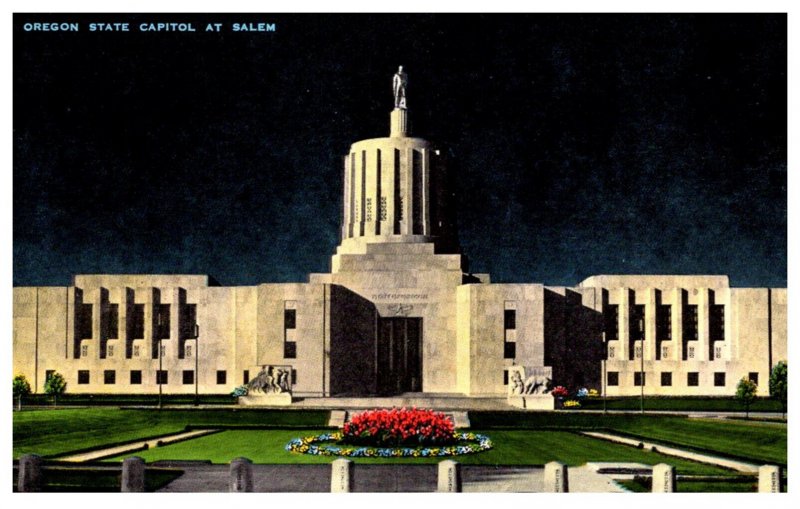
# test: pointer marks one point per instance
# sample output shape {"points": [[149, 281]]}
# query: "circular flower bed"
{"points": [[329, 444]]}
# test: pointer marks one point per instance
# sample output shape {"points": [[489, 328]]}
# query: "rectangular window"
{"points": [[188, 377], [753, 377], [613, 378], [510, 319], [290, 350], [162, 321], [113, 321], [505, 377], [719, 379], [83, 322], [509, 349], [716, 322], [162, 377], [666, 379], [664, 323], [136, 377], [289, 318], [639, 379], [109, 377], [222, 377], [611, 322], [690, 323], [294, 376], [383, 209], [188, 321], [83, 377], [246, 377], [693, 379], [84, 350], [637, 322], [137, 322]]}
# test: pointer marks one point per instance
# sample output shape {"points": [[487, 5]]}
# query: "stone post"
{"points": [[30, 473], [556, 478], [133, 475], [341, 476], [769, 479], [241, 476], [449, 476], [663, 478]]}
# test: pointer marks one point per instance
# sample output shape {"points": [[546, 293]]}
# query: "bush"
{"points": [[55, 385], [559, 392], [779, 383], [239, 391], [21, 388], [399, 427]]}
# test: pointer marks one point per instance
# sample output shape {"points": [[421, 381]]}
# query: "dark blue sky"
{"points": [[583, 144]]}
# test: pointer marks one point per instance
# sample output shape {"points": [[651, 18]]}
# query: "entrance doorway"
{"points": [[399, 355]]}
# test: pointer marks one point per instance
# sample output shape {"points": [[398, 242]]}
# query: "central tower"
{"points": [[396, 189]]}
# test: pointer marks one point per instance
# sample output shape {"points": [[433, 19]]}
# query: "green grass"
{"points": [[687, 486], [57, 432], [697, 404], [758, 441], [127, 399], [511, 447]]}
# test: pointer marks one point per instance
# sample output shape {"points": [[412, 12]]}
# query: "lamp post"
{"points": [[160, 361], [641, 363], [603, 381], [196, 364]]}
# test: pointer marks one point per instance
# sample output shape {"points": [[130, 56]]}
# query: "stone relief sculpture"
{"points": [[399, 85], [270, 380], [522, 384]]}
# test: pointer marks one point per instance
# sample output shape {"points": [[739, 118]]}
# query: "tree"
{"points": [[21, 388], [55, 385], [779, 383], [746, 394]]}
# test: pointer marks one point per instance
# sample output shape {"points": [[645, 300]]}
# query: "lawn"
{"points": [[735, 485], [512, 448], [54, 432]]}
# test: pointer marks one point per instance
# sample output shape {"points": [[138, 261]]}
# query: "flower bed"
{"points": [[399, 427], [329, 444]]}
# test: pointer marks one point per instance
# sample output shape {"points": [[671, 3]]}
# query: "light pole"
{"points": [[196, 364], [603, 381], [641, 363], [159, 376]]}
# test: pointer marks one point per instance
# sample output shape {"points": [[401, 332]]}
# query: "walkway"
{"points": [[384, 478], [135, 446], [741, 466]]}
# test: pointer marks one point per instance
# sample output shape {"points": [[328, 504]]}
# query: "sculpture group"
{"points": [[270, 380]]}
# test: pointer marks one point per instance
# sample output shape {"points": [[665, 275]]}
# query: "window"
{"points": [[611, 322], [113, 321], [753, 377], [162, 377], [639, 379], [716, 322], [222, 377], [666, 379], [246, 377], [109, 377], [188, 377], [505, 377], [137, 322], [637, 322], [162, 321], [290, 350], [693, 379], [84, 350], [188, 321], [294, 376], [719, 379], [369, 210], [382, 213], [136, 377], [613, 378], [664, 323], [83, 377], [690, 323], [289, 318], [510, 319], [83, 321], [509, 349]]}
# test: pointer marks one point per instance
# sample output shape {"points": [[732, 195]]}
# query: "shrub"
{"points": [[399, 427], [55, 385], [746, 393], [239, 391], [21, 388], [559, 391], [779, 383]]}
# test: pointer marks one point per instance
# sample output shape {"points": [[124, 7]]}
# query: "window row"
{"points": [[692, 379], [109, 321], [161, 377], [663, 316]]}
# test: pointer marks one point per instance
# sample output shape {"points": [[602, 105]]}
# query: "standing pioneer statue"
{"points": [[399, 85]]}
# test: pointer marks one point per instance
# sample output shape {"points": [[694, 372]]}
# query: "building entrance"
{"points": [[399, 355]]}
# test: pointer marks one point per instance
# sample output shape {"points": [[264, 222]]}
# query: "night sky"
{"points": [[582, 144]]}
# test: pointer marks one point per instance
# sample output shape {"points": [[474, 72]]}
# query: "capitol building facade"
{"points": [[398, 313]]}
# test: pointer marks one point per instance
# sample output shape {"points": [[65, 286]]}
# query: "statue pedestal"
{"points": [[277, 399], [533, 402]]}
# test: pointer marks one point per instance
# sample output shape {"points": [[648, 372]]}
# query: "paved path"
{"points": [[385, 478], [741, 466], [135, 446]]}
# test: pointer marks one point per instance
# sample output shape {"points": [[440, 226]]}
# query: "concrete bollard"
{"points": [[664, 478], [241, 476], [30, 473], [769, 479], [133, 475], [556, 478], [449, 477], [341, 476]]}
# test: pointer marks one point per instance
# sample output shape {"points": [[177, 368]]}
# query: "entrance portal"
{"points": [[399, 355]]}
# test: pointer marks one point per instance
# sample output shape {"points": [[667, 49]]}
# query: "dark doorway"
{"points": [[399, 355]]}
